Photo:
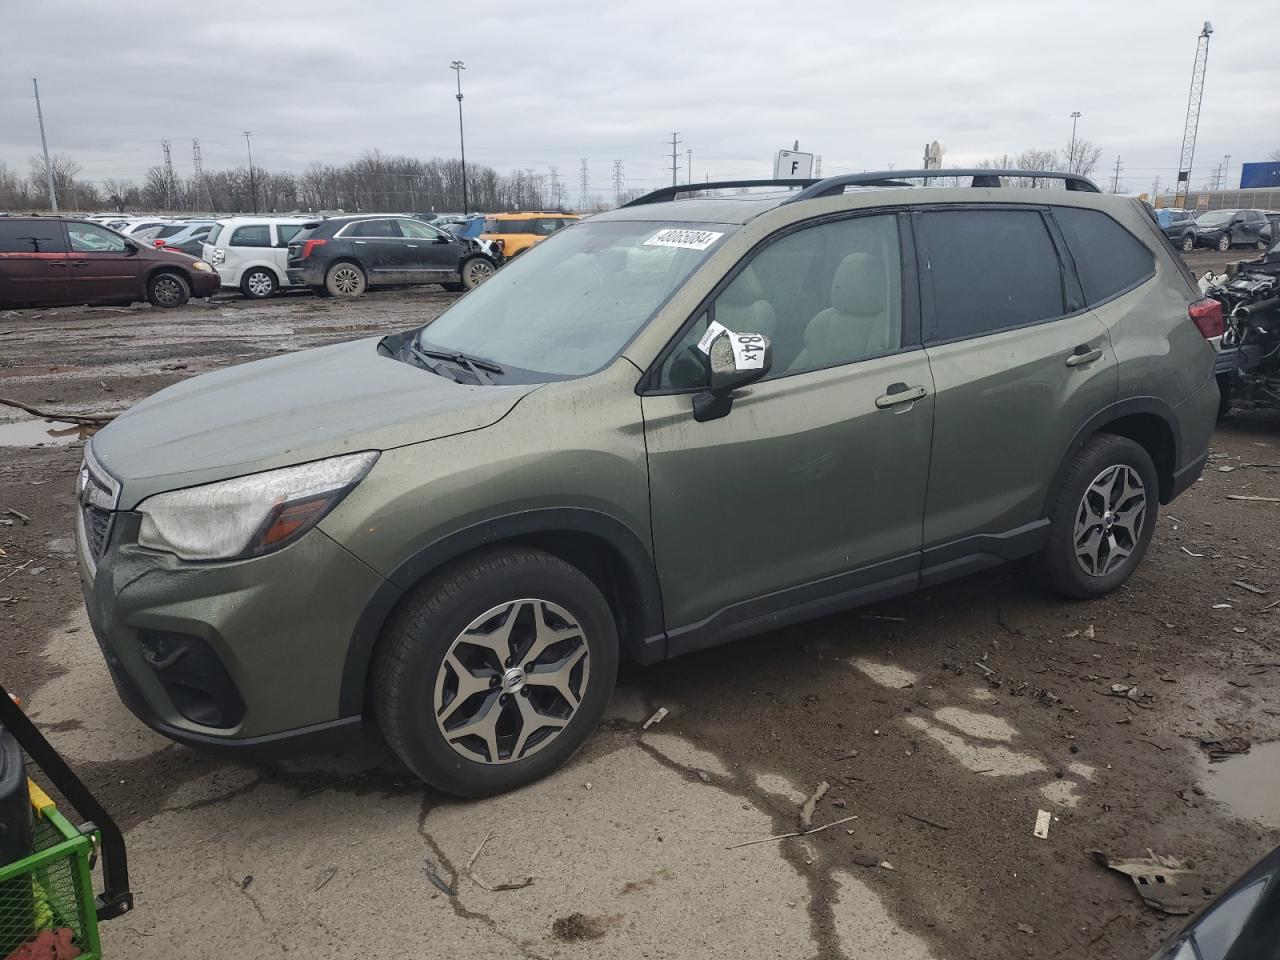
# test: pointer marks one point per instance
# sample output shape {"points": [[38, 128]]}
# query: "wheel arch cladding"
{"points": [[1147, 421], [602, 547]]}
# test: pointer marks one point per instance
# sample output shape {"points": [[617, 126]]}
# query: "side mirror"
{"points": [[734, 360], [130, 247]]}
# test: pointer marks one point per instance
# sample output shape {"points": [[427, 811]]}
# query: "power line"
{"points": [[675, 142], [617, 183], [1115, 179]]}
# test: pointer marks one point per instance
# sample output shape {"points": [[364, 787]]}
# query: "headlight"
{"points": [[252, 515], [202, 267]]}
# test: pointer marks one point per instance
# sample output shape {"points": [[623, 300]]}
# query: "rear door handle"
{"points": [[899, 393], [1083, 354]]}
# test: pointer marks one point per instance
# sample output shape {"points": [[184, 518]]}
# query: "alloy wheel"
{"points": [[259, 284], [168, 291], [1109, 520], [511, 681], [1188, 243], [346, 280], [477, 272]]}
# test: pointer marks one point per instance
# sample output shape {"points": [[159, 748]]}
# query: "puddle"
{"points": [[43, 433], [1248, 784]]}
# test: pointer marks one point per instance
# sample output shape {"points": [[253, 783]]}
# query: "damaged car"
{"points": [[669, 426]]}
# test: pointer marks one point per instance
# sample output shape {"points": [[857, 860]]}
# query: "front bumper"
{"points": [[205, 284], [276, 629]]}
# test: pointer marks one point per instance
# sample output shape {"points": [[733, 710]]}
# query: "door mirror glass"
{"points": [[130, 247], [734, 360]]}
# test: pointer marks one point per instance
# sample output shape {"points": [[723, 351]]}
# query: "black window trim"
{"points": [[1070, 282], [910, 296], [1150, 275]]}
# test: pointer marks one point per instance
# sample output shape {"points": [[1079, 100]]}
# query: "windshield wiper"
{"points": [[434, 366], [478, 367]]}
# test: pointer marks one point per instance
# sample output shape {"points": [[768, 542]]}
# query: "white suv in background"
{"points": [[251, 253]]}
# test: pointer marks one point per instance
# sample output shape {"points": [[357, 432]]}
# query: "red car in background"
{"points": [[57, 261]]}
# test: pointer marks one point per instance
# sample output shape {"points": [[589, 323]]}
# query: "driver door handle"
{"points": [[899, 393], [1083, 354]]}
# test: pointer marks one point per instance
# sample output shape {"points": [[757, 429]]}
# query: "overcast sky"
{"points": [[864, 85]]}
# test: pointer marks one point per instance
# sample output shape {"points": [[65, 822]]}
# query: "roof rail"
{"points": [[669, 193], [834, 186]]}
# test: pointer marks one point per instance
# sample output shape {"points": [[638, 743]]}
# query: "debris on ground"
{"points": [[1220, 749], [1042, 824], [925, 820], [1027, 929], [794, 833], [1166, 884], [580, 926], [437, 881], [1246, 585], [807, 808], [10, 512], [848, 754], [886, 865], [84, 419], [1241, 496], [656, 718], [1124, 690]]}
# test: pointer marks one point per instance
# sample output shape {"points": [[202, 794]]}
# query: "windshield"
{"points": [[1215, 218], [567, 307]]}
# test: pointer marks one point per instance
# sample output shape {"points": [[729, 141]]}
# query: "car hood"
{"points": [[285, 410]]}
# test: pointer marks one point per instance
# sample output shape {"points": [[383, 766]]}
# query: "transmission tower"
{"points": [[617, 183], [675, 163], [168, 176], [555, 188], [1115, 178], [584, 187], [197, 167], [1193, 116]]}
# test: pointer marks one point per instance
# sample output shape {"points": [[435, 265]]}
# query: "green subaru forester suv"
{"points": [[668, 426]]}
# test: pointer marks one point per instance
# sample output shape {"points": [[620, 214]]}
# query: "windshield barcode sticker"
{"points": [[687, 239]]}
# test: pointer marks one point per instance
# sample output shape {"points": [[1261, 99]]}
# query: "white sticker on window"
{"points": [[748, 350], [687, 239], [713, 331]]}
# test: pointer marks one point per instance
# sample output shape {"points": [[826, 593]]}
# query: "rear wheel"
{"points": [[168, 290], [258, 284], [345, 279], [495, 670], [1102, 517], [1224, 242]]}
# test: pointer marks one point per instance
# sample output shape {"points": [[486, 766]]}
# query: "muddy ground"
{"points": [[943, 723]]}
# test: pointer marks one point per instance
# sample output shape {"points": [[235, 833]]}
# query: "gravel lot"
{"points": [[942, 722]]}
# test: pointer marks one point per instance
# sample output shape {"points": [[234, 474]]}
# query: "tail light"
{"points": [[158, 243], [1206, 314], [309, 245]]}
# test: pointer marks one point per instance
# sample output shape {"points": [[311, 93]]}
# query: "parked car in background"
{"points": [[184, 235], [1219, 229], [251, 253], [344, 256], [456, 532], [51, 261], [517, 232], [143, 227], [471, 228], [1166, 216]]}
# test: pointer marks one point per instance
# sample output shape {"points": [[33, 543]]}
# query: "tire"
{"points": [[1224, 242], [345, 279], [168, 289], [478, 597], [1224, 396], [1104, 457], [454, 287], [1188, 243], [475, 271], [1262, 245], [259, 284]]}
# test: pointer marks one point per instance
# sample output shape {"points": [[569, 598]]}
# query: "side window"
{"points": [[86, 238], [417, 230], [255, 235], [990, 270], [1109, 259], [287, 231], [31, 236], [545, 226], [375, 228], [825, 295]]}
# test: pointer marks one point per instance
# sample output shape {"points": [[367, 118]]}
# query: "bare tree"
{"points": [[1081, 157], [121, 194]]}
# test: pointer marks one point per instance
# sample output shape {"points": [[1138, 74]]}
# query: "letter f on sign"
{"points": [[795, 165]]}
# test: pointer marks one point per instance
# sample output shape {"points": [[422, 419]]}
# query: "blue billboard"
{"points": [[1254, 175]]}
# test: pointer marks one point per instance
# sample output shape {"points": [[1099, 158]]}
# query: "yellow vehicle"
{"points": [[517, 232]]}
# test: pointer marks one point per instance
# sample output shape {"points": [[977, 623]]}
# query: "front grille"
{"points": [[97, 493]]}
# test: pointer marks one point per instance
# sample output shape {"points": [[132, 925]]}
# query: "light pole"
{"points": [[253, 182], [458, 66], [1226, 162], [1071, 159]]}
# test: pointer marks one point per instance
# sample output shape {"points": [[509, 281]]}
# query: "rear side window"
{"points": [[255, 235], [990, 270], [375, 228], [1109, 259], [287, 231], [31, 236]]}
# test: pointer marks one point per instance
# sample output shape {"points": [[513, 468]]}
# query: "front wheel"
{"points": [[345, 280], [1102, 518], [1262, 244], [168, 290], [476, 271], [1188, 243], [258, 284], [494, 671], [1224, 242]]}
